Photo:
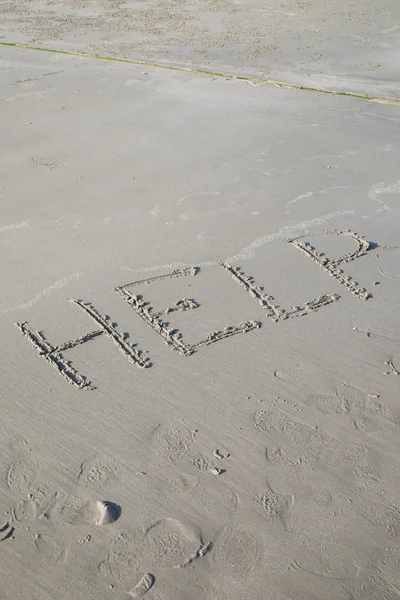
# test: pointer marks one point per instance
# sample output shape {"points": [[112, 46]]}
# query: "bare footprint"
{"points": [[142, 587], [21, 475]]}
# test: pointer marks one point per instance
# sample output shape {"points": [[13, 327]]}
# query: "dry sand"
{"points": [[253, 454]]}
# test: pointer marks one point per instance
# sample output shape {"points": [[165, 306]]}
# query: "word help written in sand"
{"points": [[173, 338]]}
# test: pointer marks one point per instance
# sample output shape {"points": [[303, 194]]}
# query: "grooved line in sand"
{"points": [[259, 80], [273, 311], [172, 337], [331, 266], [54, 356], [135, 356], [176, 273]]}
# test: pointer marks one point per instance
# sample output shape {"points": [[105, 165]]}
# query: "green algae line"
{"points": [[157, 65]]}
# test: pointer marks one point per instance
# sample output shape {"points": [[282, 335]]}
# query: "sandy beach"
{"points": [[199, 322]]}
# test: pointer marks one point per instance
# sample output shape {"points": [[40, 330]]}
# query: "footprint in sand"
{"points": [[373, 587], [301, 377], [202, 463], [142, 587], [236, 551], [383, 512], [287, 461], [50, 551], [41, 503], [124, 558], [42, 497], [347, 399], [328, 561], [174, 440], [387, 561], [275, 506], [277, 423], [352, 399], [319, 492], [95, 472], [76, 511], [329, 405], [170, 543], [166, 543], [328, 451], [25, 510], [320, 447], [182, 484], [21, 475], [212, 465], [96, 512], [40, 500]]}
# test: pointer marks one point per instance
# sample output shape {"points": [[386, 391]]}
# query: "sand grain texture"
{"points": [[241, 243]]}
